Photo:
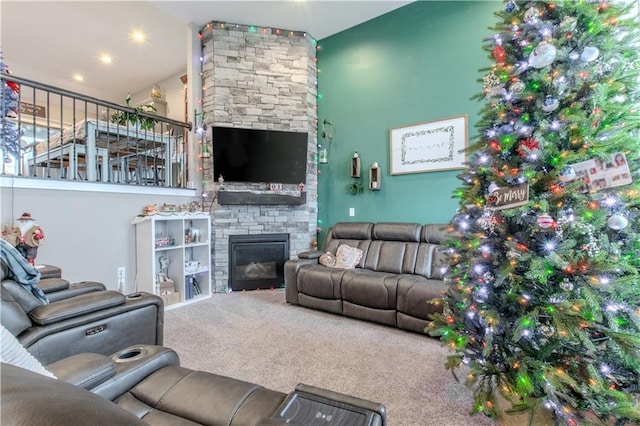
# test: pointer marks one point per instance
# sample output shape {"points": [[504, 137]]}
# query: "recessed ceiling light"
{"points": [[106, 59], [138, 36], [78, 77]]}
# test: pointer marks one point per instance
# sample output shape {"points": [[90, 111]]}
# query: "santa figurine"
{"points": [[26, 236]]}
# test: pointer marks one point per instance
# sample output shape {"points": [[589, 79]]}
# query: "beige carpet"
{"points": [[256, 336]]}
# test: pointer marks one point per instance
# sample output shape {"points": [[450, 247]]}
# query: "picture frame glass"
{"points": [[429, 146]]}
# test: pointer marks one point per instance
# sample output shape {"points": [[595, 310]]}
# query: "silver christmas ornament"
{"points": [[617, 222], [531, 15], [550, 104], [560, 83], [544, 54], [517, 88], [590, 54], [566, 285], [568, 24], [567, 174]]}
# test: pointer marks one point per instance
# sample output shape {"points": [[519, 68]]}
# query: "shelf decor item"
{"points": [[355, 165], [163, 241], [374, 177]]}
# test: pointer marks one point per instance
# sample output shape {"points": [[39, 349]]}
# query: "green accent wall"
{"points": [[415, 64]]}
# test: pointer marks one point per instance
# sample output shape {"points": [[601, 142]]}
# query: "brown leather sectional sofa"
{"points": [[399, 273]]}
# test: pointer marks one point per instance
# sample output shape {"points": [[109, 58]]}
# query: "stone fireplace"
{"points": [[260, 78]]}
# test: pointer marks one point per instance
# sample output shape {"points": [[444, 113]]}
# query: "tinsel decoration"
{"points": [[9, 109]]}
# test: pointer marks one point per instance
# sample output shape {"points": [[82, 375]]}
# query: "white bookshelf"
{"points": [[184, 241]]}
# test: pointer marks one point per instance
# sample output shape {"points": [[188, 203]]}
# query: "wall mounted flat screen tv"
{"points": [[251, 155]]}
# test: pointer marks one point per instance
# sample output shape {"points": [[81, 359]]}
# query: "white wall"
{"points": [[172, 93], [88, 232]]}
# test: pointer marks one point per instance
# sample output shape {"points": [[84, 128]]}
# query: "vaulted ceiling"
{"points": [[51, 41]]}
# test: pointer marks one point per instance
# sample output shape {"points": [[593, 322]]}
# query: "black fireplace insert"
{"points": [[257, 261]]}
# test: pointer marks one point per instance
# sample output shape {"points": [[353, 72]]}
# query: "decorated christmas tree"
{"points": [[543, 309], [8, 109]]}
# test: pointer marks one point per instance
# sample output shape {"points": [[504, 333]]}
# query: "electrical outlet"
{"points": [[352, 211], [121, 278]]}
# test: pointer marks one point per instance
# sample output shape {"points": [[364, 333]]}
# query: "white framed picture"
{"points": [[430, 146]]}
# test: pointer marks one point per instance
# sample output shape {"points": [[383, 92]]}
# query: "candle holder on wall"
{"points": [[374, 177], [327, 133], [323, 154], [355, 165]]}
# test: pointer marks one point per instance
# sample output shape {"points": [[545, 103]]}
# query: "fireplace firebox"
{"points": [[257, 261]]}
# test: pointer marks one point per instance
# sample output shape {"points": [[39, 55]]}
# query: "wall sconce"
{"points": [[323, 154], [327, 132], [374, 177], [355, 165]]}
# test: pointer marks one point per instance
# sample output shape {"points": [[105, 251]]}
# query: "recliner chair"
{"points": [[99, 321], [146, 382]]}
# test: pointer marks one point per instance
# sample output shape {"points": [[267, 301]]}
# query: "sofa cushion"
{"points": [[11, 314], [436, 233], [29, 398], [347, 257], [12, 352], [414, 294], [392, 256], [354, 234], [319, 281], [370, 288], [391, 231], [430, 261], [352, 230], [201, 397]]}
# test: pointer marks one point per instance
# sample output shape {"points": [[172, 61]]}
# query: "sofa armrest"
{"points": [[291, 267], [76, 306], [85, 370], [134, 364], [307, 402], [76, 289], [380, 411], [310, 254], [50, 285]]}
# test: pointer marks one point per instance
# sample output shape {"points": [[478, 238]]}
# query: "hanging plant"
{"points": [[355, 187], [125, 117]]}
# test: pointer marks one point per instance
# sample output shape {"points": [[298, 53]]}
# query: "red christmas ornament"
{"points": [[499, 54], [527, 147], [15, 87], [544, 221]]}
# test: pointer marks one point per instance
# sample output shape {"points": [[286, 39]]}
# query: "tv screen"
{"points": [[251, 155]]}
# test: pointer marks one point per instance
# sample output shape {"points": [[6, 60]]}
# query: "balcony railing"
{"points": [[52, 133]]}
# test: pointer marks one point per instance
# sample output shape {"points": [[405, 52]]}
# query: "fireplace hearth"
{"points": [[257, 261]]}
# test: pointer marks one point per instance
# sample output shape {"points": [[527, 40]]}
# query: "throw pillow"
{"points": [[347, 257], [328, 260]]}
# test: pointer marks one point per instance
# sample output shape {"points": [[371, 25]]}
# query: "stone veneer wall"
{"points": [[260, 78]]}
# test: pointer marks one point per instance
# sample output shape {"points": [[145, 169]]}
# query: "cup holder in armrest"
{"points": [[134, 296], [130, 354]]}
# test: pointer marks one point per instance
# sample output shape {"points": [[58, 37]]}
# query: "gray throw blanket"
{"points": [[21, 271]]}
